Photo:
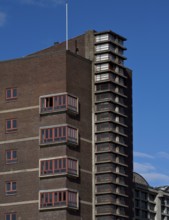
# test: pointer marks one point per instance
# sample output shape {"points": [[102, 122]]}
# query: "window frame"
{"points": [[61, 102], [11, 97], [11, 191], [63, 133], [12, 159], [12, 128], [10, 215], [71, 167], [101, 37], [63, 198]]}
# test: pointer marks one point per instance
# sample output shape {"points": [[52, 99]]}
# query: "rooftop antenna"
{"points": [[67, 46]]}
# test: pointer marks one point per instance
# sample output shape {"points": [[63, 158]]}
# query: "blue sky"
{"points": [[30, 25]]}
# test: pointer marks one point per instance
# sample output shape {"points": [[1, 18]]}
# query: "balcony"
{"points": [[106, 157], [105, 199], [105, 147], [110, 67], [58, 166], [58, 199], [107, 217], [108, 96], [106, 209], [58, 103], [102, 37], [108, 106], [58, 135], [111, 47], [111, 126], [108, 116], [110, 87], [106, 178], [106, 188], [108, 137], [102, 168]]}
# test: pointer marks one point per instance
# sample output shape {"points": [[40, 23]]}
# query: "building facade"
{"points": [[66, 132], [150, 203]]}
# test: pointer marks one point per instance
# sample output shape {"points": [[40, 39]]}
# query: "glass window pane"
{"points": [[64, 196], [64, 163], [51, 163], [55, 196], [55, 132], [7, 217], [14, 123], [46, 133], [51, 131], [8, 93], [13, 216], [60, 163], [14, 92], [64, 131], [8, 124], [14, 185], [60, 132], [8, 155], [55, 164], [64, 100], [14, 154], [8, 186]]}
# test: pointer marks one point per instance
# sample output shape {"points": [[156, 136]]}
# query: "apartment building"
{"points": [[150, 203], [66, 132]]}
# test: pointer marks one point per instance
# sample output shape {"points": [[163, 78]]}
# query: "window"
{"points": [[11, 156], [102, 47], [10, 216], [10, 188], [11, 93], [72, 199], [58, 102], [58, 166], [72, 166], [59, 135], [57, 199], [102, 67], [102, 37], [11, 125], [101, 77], [102, 57], [73, 103]]}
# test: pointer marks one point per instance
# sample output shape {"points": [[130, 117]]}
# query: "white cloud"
{"points": [[143, 167], [163, 154], [43, 3], [2, 18], [159, 177], [143, 155]]}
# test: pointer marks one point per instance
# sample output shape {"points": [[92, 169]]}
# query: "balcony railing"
{"points": [[111, 209], [106, 157], [107, 217], [110, 126], [105, 168], [105, 178], [107, 106], [109, 147], [110, 97], [105, 188], [105, 199], [108, 116], [109, 86]]}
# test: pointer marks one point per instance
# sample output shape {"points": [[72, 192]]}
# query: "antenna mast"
{"points": [[67, 46]]}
